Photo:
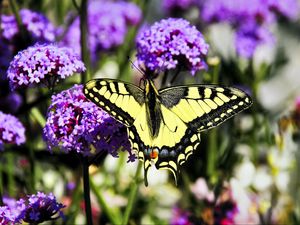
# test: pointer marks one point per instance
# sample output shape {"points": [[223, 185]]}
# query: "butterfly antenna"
{"points": [[136, 67]]}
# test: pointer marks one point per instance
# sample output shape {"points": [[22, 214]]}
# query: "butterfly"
{"points": [[164, 125]]}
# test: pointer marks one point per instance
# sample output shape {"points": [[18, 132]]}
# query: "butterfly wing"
{"points": [[175, 142], [121, 100], [202, 107], [188, 110]]}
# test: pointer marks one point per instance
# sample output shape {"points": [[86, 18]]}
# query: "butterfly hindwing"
{"points": [[203, 107], [121, 100]]}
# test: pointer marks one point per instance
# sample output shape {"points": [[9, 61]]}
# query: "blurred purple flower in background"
{"points": [[180, 217], [43, 63], [286, 8], [32, 209], [250, 19], [11, 103], [39, 208], [76, 124], [12, 130], [39, 27], [6, 215], [170, 43], [107, 26], [5, 57]]}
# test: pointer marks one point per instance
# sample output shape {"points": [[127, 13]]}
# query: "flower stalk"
{"points": [[86, 191], [132, 194], [85, 55]]}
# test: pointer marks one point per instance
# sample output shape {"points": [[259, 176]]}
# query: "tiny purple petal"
{"points": [[37, 25]]}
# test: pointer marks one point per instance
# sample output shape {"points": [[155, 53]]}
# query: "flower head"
{"points": [[287, 8], [11, 130], [170, 43], [249, 36], [76, 124], [180, 217], [39, 27], [39, 208], [107, 25], [6, 215], [11, 102], [43, 63]]}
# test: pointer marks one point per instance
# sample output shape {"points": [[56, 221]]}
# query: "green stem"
{"points": [[36, 114], [74, 208], [85, 54], [32, 167], [86, 190], [132, 195], [113, 218], [212, 153], [1, 179], [15, 9], [10, 174], [213, 135]]}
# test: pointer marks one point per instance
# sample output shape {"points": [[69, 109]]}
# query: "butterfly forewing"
{"points": [[123, 101], [203, 107]]}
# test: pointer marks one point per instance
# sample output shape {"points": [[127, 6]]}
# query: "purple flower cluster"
{"points": [[250, 19], [107, 26], [11, 130], [76, 124], [38, 27], [41, 29], [180, 217], [43, 63], [170, 43], [33, 209], [6, 216]]}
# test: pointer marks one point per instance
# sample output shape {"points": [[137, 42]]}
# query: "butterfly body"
{"points": [[164, 125]]}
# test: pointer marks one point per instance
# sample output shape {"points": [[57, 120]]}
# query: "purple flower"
{"points": [[170, 43], [6, 215], [107, 25], [248, 37], [40, 28], [43, 63], [11, 130], [250, 19], [287, 8], [236, 12], [76, 124], [39, 208], [11, 102], [180, 217]]}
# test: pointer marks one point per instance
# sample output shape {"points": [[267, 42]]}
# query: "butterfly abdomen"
{"points": [[153, 109]]}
